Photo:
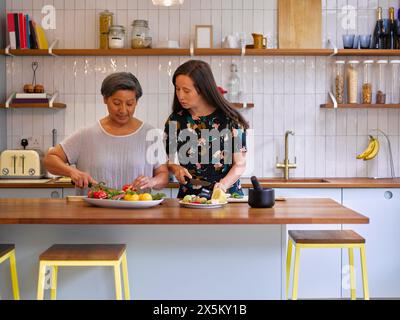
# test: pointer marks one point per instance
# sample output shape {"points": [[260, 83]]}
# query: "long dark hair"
{"points": [[204, 82]]}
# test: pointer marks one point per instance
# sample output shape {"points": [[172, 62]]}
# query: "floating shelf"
{"points": [[368, 52], [56, 105], [361, 106], [243, 105]]}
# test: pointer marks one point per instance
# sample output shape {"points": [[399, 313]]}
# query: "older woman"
{"points": [[115, 149]]}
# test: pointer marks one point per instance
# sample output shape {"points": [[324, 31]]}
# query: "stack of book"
{"points": [[30, 98], [24, 33]]}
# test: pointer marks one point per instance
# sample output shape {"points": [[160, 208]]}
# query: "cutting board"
{"points": [[300, 24]]}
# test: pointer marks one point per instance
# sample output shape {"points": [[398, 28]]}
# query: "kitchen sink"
{"points": [[293, 180]]}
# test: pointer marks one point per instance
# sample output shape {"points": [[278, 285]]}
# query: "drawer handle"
{"points": [[55, 195]]}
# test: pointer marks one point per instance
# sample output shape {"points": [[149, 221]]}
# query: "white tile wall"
{"points": [[287, 91]]}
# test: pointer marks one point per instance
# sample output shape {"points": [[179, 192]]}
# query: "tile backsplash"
{"points": [[286, 91]]}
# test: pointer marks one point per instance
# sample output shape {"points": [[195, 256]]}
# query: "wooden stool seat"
{"points": [[325, 236], [329, 239], [7, 252], [84, 255], [84, 252], [6, 248]]}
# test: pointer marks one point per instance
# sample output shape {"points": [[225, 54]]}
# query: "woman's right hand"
{"points": [[81, 179], [180, 173]]}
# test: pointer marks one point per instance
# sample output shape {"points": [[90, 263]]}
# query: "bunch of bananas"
{"points": [[371, 151]]}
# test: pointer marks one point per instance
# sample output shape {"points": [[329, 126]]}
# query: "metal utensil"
{"points": [[198, 182]]}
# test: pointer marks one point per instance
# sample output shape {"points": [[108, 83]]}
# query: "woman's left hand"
{"points": [[220, 185], [143, 182]]}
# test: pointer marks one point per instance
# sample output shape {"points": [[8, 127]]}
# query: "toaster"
{"points": [[25, 164]]}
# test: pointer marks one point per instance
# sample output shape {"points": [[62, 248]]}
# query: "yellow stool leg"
{"points": [[117, 278], [42, 273], [288, 265], [352, 275], [364, 272], [127, 293], [296, 273], [54, 275], [14, 276]]}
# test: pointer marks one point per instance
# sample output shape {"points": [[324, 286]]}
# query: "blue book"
{"points": [[28, 33]]}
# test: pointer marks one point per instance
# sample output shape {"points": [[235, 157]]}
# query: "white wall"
{"points": [[287, 91], [3, 123]]}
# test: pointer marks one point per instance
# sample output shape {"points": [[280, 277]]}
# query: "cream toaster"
{"points": [[25, 164]]}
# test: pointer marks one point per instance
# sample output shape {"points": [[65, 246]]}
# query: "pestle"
{"points": [[255, 183]]}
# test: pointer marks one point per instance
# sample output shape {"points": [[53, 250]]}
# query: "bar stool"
{"points": [[83, 255], [343, 239], [7, 251]]}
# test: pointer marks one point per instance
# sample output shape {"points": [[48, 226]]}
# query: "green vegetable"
{"points": [[237, 196], [159, 196]]}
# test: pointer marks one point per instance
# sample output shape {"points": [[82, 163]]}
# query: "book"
{"points": [[41, 37], [16, 25], [11, 30], [31, 96], [30, 101], [33, 41], [28, 43], [22, 30]]}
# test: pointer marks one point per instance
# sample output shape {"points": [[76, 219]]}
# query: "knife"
{"points": [[198, 182]]}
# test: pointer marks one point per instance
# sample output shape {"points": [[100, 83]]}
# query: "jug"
{"points": [[260, 42]]}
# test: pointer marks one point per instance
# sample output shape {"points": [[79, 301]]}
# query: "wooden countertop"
{"points": [[266, 182], [291, 211]]}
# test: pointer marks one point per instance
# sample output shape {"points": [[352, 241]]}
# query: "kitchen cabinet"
{"points": [[382, 236], [54, 193]]}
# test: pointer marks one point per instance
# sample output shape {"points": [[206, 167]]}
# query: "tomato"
{"points": [[100, 194], [128, 187]]}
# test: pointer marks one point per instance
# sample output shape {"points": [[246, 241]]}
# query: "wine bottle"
{"points": [[392, 37], [378, 41]]}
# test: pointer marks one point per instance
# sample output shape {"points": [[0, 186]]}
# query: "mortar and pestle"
{"points": [[259, 197]]}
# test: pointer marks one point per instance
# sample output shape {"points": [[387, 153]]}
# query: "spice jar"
{"points": [[116, 37], [105, 22], [352, 81], [367, 82], [140, 34], [339, 81], [395, 81], [381, 87]]}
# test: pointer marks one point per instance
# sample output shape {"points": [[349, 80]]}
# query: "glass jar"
{"points": [[116, 37], [395, 81], [381, 87], [233, 85], [352, 81], [339, 81], [140, 34], [106, 21], [367, 82]]}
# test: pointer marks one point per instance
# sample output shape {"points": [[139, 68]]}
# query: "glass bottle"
{"points": [[352, 81], [140, 34], [116, 37], [395, 81], [105, 22], [381, 87], [367, 82], [339, 81], [233, 86]]}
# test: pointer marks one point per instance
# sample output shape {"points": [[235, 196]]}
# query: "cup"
{"points": [[365, 41], [348, 41], [356, 42], [260, 42], [232, 41]]}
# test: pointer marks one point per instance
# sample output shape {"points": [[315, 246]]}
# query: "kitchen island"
{"points": [[234, 252]]}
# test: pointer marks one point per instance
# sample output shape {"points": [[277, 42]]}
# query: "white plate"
{"points": [[201, 206], [245, 199], [123, 204]]}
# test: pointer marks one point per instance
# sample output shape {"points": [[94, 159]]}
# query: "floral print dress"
{"points": [[205, 147]]}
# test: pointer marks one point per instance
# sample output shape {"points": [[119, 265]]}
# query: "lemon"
{"points": [[219, 195], [145, 197], [131, 197]]}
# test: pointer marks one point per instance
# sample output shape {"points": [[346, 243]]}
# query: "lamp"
{"points": [[167, 3]]}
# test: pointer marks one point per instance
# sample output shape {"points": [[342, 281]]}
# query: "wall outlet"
{"points": [[35, 142]]}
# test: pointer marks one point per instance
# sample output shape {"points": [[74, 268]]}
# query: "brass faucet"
{"points": [[287, 165]]}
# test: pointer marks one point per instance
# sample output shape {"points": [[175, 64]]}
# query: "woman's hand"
{"points": [[81, 179], [180, 173], [221, 186], [143, 182]]}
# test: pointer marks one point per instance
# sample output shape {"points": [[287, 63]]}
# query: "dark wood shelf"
{"points": [[241, 105], [56, 105], [361, 106], [368, 52]]}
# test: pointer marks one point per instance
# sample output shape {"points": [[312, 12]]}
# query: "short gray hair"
{"points": [[121, 81]]}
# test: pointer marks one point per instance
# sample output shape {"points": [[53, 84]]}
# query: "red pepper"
{"points": [[100, 194], [128, 187]]}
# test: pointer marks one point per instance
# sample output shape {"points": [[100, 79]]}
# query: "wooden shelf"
{"points": [[56, 105], [368, 52], [241, 105], [362, 106]]}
